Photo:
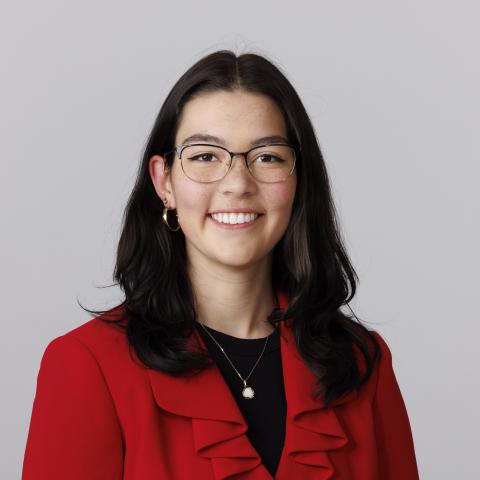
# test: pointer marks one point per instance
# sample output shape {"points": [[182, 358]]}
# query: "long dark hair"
{"points": [[310, 264]]}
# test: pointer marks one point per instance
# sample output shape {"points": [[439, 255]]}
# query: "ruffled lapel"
{"points": [[219, 428], [312, 430], [218, 425]]}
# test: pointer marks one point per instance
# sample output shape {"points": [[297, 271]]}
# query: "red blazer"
{"points": [[99, 414]]}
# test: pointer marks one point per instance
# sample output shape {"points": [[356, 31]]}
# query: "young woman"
{"points": [[230, 357]]}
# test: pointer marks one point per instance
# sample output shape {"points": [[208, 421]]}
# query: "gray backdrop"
{"points": [[392, 88]]}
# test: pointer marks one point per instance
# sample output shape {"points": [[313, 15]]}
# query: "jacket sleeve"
{"points": [[74, 431], [396, 451]]}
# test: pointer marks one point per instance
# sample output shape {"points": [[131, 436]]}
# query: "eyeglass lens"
{"points": [[205, 163]]}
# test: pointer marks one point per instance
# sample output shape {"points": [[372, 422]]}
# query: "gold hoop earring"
{"points": [[165, 219]]}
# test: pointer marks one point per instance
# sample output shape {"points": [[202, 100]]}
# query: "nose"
{"points": [[238, 179], [240, 159]]}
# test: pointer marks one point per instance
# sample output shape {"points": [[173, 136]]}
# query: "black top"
{"points": [[265, 414]]}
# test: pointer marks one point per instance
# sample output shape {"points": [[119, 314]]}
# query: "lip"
{"points": [[237, 226], [236, 210]]}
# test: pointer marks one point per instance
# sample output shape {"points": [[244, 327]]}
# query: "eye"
{"points": [[269, 158], [203, 157]]}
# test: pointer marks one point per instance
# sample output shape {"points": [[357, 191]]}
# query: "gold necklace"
{"points": [[247, 392]]}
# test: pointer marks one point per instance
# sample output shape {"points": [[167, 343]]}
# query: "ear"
{"points": [[160, 175]]}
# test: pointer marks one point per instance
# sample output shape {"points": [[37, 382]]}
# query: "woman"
{"points": [[230, 356]]}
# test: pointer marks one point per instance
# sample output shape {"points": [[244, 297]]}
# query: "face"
{"points": [[238, 118]]}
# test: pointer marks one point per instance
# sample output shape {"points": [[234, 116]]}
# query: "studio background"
{"points": [[392, 89]]}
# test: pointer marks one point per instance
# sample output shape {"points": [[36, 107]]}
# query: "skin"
{"points": [[230, 270]]}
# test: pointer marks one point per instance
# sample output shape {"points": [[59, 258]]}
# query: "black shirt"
{"points": [[265, 414]]}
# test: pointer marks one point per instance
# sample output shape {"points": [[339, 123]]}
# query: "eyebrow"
{"points": [[205, 137]]}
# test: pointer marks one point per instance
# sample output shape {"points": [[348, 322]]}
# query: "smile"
{"points": [[234, 220]]}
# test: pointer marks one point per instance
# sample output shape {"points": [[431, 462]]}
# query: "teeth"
{"points": [[234, 218]]}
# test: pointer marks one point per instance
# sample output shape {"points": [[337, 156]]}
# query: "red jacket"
{"points": [[99, 414]]}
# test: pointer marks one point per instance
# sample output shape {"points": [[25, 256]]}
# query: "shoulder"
{"points": [[94, 342], [385, 354], [384, 348], [94, 334], [74, 428], [385, 378], [374, 350], [374, 359]]}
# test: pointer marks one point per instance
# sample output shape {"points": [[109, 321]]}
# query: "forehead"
{"points": [[237, 117]]}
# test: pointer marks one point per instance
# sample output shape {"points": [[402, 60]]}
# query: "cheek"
{"points": [[279, 203], [192, 208], [190, 197], [192, 200], [280, 197]]}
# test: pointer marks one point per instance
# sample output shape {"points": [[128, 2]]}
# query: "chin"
{"points": [[236, 261]]}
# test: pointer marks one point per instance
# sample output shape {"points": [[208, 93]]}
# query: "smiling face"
{"points": [[238, 119]]}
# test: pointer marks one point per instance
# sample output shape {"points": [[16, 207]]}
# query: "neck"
{"points": [[234, 301]]}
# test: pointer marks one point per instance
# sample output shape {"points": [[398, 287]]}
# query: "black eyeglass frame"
{"points": [[178, 150]]}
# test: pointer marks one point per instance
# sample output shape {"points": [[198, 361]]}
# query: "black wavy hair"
{"points": [[310, 264]]}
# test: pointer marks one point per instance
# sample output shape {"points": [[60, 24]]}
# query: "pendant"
{"points": [[248, 393]]}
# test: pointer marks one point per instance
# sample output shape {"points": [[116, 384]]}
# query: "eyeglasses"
{"points": [[206, 163]]}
